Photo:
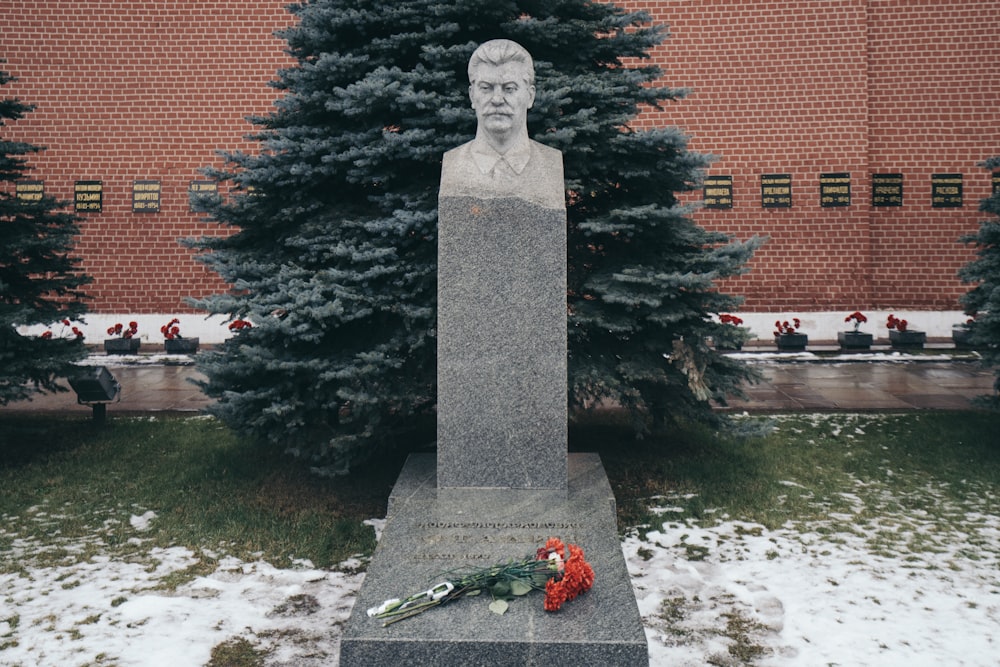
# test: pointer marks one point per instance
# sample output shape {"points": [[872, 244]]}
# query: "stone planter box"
{"points": [[907, 340], [181, 345], [791, 342], [961, 335], [854, 340], [122, 345]]}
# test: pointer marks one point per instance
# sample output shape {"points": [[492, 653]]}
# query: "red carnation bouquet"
{"points": [[559, 569]]}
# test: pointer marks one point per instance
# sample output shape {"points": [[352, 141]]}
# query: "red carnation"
{"points": [[577, 578]]}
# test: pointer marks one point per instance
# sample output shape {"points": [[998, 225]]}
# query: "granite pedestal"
{"points": [[502, 419], [430, 531]]}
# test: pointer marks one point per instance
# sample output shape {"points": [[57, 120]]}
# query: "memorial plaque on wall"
{"points": [[996, 181], [776, 190], [718, 192], [145, 196], [835, 189], [87, 196], [946, 190], [200, 188], [29, 192], [887, 189]]}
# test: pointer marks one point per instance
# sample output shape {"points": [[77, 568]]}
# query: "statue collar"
{"points": [[486, 157]]}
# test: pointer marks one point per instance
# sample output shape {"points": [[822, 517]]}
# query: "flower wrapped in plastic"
{"points": [[558, 569]]}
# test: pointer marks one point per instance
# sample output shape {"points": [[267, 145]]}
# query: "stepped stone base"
{"points": [[430, 531]]}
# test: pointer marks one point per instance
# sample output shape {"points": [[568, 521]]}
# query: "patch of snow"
{"points": [[813, 600], [142, 522], [109, 611]]}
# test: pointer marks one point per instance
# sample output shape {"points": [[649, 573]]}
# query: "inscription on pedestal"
{"points": [[478, 540]]}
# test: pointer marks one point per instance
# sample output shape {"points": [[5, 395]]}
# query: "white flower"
{"points": [[556, 561], [384, 607]]}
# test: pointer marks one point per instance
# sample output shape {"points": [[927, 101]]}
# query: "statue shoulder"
{"points": [[547, 161], [547, 152], [457, 151]]}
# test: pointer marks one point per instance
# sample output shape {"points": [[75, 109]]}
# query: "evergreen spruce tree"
{"points": [[983, 300], [334, 246], [39, 280]]}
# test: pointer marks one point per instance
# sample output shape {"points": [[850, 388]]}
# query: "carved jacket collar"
{"points": [[486, 157]]}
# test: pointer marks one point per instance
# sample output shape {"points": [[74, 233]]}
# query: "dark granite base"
{"points": [[430, 531]]}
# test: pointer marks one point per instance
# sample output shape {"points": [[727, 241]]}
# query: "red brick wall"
{"points": [[856, 86], [151, 90], [138, 90], [935, 108]]}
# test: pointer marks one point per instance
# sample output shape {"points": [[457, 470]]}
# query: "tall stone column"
{"points": [[502, 415]]}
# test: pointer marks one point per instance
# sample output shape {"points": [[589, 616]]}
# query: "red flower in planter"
{"points": [[65, 323], [858, 317], [170, 330], [896, 323], [119, 330], [237, 325], [786, 327], [726, 318]]}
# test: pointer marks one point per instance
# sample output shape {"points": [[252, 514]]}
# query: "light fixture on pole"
{"points": [[96, 387]]}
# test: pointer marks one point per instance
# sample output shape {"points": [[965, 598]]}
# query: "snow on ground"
{"points": [[850, 590], [785, 597], [805, 599], [100, 610]]}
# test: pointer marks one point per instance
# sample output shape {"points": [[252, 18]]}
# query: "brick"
{"points": [[786, 86]]}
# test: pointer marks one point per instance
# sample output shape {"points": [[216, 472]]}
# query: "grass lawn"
{"points": [[812, 465], [210, 490]]}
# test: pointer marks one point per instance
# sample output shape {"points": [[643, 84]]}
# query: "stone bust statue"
{"points": [[502, 161]]}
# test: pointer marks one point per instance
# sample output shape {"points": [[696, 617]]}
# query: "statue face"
{"points": [[501, 97]]}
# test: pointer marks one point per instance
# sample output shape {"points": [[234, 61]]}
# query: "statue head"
{"points": [[501, 89]]}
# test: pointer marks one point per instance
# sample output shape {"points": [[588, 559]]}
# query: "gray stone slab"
{"points": [[502, 396], [431, 531]]}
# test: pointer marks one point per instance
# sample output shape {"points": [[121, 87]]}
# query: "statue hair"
{"points": [[497, 52]]}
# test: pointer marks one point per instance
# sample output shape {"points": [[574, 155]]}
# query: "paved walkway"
{"points": [[806, 382], [146, 387], [904, 385]]}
